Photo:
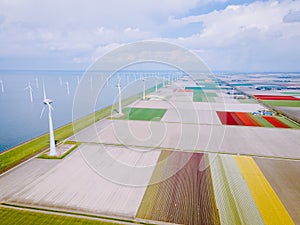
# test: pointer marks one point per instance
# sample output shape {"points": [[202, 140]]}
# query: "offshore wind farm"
{"points": [[61, 85]]}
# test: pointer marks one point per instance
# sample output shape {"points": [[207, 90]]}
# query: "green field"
{"points": [[201, 96], [147, 114], [205, 87], [291, 93], [288, 122], [11, 216], [247, 101], [261, 121], [285, 103]]}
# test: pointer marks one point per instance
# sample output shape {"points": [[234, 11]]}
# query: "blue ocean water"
{"points": [[20, 119]]}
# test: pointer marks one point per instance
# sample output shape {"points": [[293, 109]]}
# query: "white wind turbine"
{"points": [[68, 89], [91, 80], [30, 91], [144, 88], [60, 81], [120, 97], [48, 102], [2, 86], [36, 82]]}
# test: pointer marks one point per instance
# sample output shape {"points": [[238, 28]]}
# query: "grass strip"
{"points": [[290, 93], [10, 216], [247, 101], [261, 121], [288, 122], [47, 156], [69, 213], [286, 103]]}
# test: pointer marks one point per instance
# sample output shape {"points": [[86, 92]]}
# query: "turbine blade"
{"points": [[50, 106], [44, 90], [42, 112]]}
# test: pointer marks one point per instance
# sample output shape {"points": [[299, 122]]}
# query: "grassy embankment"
{"points": [[14, 216], [22, 152]]}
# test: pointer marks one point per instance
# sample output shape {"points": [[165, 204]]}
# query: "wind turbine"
{"points": [[2, 86], [68, 89], [144, 88], [48, 102], [30, 91], [36, 82], [60, 81], [91, 82], [120, 98], [155, 84]]}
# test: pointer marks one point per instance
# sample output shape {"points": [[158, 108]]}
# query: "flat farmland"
{"points": [[283, 177], [82, 188], [211, 138], [269, 205], [185, 198], [191, 116]]}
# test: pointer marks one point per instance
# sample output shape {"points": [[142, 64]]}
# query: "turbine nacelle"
{"points": [[47, 101]]}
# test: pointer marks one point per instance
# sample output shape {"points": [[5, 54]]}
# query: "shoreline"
{"points": [[26, 150]]}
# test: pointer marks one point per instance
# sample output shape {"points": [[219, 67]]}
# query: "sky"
{"points": [[230, 35]]}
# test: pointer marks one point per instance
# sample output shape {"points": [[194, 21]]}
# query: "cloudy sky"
{"points": [[235, 35]]}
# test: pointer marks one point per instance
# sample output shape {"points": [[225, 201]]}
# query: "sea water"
{"points": [[20, 119]]}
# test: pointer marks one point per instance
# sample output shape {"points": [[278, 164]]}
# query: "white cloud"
{"points": [[261, 36], [247, 36]]}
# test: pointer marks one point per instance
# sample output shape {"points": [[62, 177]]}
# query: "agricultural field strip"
{"points": [[273, 139], [18, 177], [47, 212], [247, 119], [218, 106], [268, 203], [233, 198], [192, 151], [76, 184], [173, 199], [281, 175]]}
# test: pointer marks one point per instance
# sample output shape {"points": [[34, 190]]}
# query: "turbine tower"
{"points": [[60, 81], [120, 98], [68, 89], [30, 91], [36, 82], [144, 88], [48, 102], [155, 84], [2, 86]]}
